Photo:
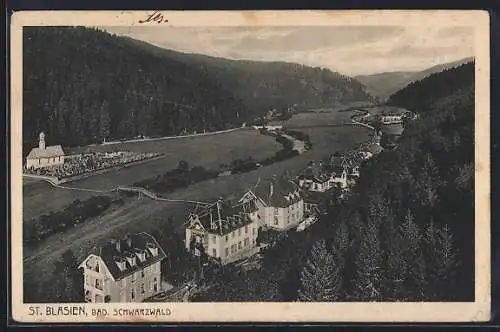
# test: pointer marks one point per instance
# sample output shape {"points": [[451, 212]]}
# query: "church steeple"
{"points": [[41, 142]]}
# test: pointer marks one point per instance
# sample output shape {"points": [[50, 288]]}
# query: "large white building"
{"points": [[279, 202], [44, 156], [124, 270], [223, 231]]}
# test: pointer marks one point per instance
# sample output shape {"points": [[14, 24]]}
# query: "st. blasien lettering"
{"points": [[264, 174]]}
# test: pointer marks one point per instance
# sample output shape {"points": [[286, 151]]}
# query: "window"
{"points": [[214, 239], [254, 230], [239, 245], [227, 252], [133, 277], [142, 288], [276, 210], [142, 273], [132, 294], [246, 229], [233, 234], [155, 285], [239, 232], [226, 238], [247, 242], [275, 220], [214, 252]]}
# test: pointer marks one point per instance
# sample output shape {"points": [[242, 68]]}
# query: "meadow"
{"points": [[317, 117]]}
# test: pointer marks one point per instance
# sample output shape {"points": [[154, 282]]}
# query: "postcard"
{"points": [[250, 166]]}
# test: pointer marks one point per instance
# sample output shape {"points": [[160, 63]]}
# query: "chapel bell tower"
{"points": [[41, 141]]}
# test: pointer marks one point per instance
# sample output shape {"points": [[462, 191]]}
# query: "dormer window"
{"points": [[152, 249], [131, 260], [141, 254], [122, 265]]}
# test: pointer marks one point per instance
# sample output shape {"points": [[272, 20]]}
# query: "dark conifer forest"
{"points": [[83, 85], [406, 230]]}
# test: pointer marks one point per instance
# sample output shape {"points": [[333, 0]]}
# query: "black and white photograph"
{"points": [[167, 162]]}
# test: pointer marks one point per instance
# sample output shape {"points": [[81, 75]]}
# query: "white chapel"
{"points": [[44, 156]]}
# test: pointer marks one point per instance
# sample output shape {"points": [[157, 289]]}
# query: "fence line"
{"points": [[138, 190]]}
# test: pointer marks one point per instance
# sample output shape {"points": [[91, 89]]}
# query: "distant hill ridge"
{"points": [[441, 88], [82, 85], [382, 85]]}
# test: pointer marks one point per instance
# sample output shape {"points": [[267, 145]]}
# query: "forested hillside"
{"points": [[83, 85], [383, 85], [406, 231]]}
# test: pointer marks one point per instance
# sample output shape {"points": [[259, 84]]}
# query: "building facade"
{"points": [[280, 204], [223, 231], [125, 270], [44, 156]]}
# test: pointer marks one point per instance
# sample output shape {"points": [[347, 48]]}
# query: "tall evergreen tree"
{"points": [[368, 262], [320, 277], [414, 258], [445, 264]]}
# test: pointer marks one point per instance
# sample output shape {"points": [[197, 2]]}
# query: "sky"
{"points": [[351, 50]]}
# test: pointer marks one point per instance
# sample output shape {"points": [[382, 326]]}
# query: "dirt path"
{"points": [[172, 137]]}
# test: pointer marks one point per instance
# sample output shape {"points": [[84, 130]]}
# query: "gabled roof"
{"points": [[279, 192], [48, 152], [316, 173], [130, 246], [223, 218], [373, 148]]}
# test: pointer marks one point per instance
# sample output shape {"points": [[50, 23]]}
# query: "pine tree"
{"points": [[414, 258], [320, 277], [396, 268], [444, 265], [428, 181], [104, 121], [368, 262], [377, 209], [430, 249], [341, 241]]}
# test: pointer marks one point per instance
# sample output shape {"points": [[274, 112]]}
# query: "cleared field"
{"points": [[320, 116], [145, 215], [207, 151]]}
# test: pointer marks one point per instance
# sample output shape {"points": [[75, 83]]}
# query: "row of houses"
{"points": [[128, 269]]}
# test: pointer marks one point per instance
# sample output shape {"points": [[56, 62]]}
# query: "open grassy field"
{"points": [[207, 151], [319, 116], [145, 215]]}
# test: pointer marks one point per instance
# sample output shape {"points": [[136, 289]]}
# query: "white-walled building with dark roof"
{"points": [[124, 270], [45, 156]]}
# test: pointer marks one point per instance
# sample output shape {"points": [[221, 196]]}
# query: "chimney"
{"points": [[212, 225], [118, 245], [128, 240], [271, 189], [218, 214]]}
